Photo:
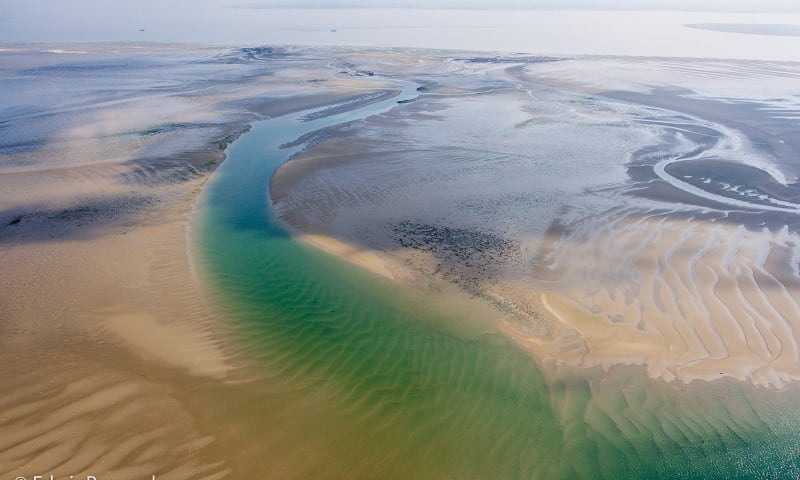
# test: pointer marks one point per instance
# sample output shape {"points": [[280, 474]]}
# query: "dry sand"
{"points": [[103, 326], [708, 299], [106, 331]]}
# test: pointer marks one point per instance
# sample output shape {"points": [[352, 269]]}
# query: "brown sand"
{"points": [[106, 332], [106, 335], [96, 330]]}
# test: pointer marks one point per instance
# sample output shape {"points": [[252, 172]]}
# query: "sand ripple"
{"points": [[69, 417], [699, 283], [689, 297]]}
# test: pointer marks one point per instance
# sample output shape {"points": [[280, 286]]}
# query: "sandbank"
{"points": [[629, 270]]}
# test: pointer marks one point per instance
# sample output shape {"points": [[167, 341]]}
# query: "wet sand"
{"points": [[108, 332], [692, 276], [119, 360]]}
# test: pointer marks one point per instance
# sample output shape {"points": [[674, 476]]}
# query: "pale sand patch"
{"points": [[182, 345], [448, 90], [133, 280], [358, 84], [461, 314], [688, 299], [369, 260]]}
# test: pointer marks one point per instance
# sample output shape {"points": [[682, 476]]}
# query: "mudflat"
{"points": [[592, 264], [650, 222]]}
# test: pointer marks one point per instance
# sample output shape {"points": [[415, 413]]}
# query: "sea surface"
{"points": [[361, 380], [550, 32]]}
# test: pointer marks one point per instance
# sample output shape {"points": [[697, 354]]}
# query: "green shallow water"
{"points": [[359, 380]]}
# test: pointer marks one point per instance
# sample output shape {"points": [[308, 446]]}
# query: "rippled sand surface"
{"points": [[105, 327], [94, 412], [400, 197], [618, 218], [534, 262], [360, 379]]}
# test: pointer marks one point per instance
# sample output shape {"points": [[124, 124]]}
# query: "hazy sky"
{"points": [[558, 27], [766, 6], [10, 7]]}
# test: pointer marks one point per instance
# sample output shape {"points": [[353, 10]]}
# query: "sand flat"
{"points": [[476, 193], [107, 326], [638, 271]]}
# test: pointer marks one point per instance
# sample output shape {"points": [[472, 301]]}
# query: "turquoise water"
{"points": [[359, 380]]}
